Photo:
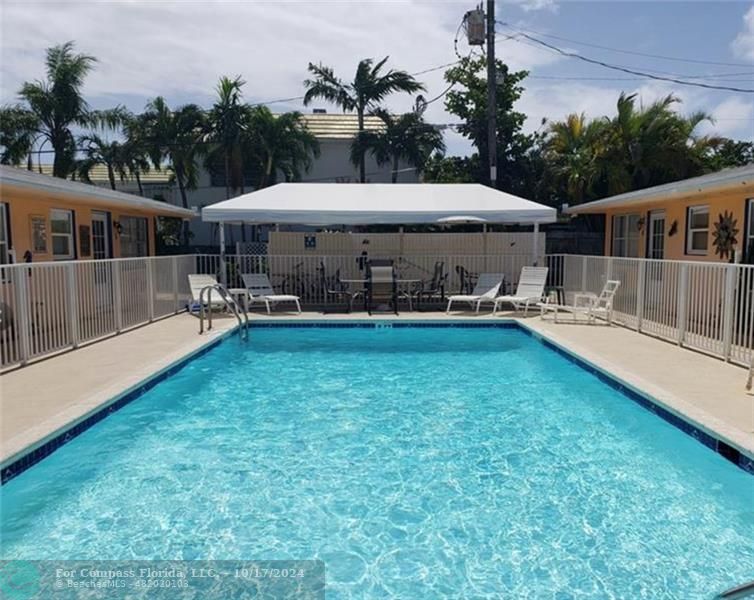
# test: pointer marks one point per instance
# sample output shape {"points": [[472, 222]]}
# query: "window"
{"points": [[61, 228], [697, 229], [133, 237], [626, 235], [4, 236]]}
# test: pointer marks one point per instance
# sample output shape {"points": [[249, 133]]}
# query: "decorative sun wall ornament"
{"points": [[724, 235]]}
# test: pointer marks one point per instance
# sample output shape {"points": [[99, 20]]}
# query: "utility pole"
{"points": [[491, 94]]}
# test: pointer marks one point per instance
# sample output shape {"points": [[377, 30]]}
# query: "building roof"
{"points": [[339, 126], [74, 191], [726, 179], [98, 173], [372, 203]]}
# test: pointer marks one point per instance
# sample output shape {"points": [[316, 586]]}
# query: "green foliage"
{"points": [[369, 87], [468, 101], [405, 137], [451, 169], [279, 144], [637, 148], [17, 134], [730, 153]]}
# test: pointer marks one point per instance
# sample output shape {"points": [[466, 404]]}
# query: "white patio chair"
{"points": [[212, 300], [530, 289], [260, 291], [587, 304], [485, 290]]}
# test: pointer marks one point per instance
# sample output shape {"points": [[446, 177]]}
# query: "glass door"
{"points": [[100, 237], [656, 248]]}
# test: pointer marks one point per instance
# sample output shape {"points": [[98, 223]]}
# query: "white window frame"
{"points": [[125, 236], [5, 235], [690, 231], [55, 214], [624, 233]]}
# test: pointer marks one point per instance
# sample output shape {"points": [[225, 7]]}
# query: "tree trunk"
{"points": [[362, 158], [137, 175], [111, 176], [184, 201], [227, 176], [395, 169]]}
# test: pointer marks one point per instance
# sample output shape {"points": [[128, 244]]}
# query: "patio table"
{"points": [[398, 283]]}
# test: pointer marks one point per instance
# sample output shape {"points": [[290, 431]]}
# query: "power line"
{"points": [[630, 70], [633, 52]]}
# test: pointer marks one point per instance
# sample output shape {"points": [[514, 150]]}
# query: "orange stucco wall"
{"points": [[24, 204], [675, 211]]}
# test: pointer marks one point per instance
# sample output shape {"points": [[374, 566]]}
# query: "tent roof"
{"points": [[376, 203]]}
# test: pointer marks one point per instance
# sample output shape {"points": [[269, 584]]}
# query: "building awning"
{"points": [[13, 178], [321, 204], [741, 178]]}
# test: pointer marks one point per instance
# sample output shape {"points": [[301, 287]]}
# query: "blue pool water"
{"points": [[417, 463]]}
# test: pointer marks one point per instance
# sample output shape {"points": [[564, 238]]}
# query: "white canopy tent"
{"points": [[322, 204]]}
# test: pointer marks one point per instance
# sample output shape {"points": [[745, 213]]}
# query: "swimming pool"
{"points": [[416, 462]]}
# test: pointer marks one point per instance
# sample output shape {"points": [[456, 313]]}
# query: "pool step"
{"points": [[742, 591]]}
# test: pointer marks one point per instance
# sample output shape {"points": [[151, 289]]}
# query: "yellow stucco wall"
{"points": [[675, 211], [24, 204]]}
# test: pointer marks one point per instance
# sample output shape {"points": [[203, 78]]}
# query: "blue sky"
{"points": [[178, 49]]}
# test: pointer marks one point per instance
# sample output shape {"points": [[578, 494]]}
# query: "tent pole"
{"points": [[221, 227], [535, 244]]}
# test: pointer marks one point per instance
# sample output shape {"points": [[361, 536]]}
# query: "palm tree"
{"points": [[572, 148], [178, 137], [101, 152], [135, 149], [17, 135], [369, 87], [406, 137], [228, 121], [279, 144], [57, 104], [646, 146]]}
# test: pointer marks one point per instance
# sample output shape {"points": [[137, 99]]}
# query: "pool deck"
{"points": [[45, 398]]}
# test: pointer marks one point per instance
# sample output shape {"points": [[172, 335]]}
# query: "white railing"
{"points": [[48, 307], [701, 305]]}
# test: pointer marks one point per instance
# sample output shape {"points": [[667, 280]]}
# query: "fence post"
{"points": [[117, 297], [22, 301], [681, 309], [584, 266], [175, 283], [729, 297], [73, 304], [150, 286], [640, 293]]}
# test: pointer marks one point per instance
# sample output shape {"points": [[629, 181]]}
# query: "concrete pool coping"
{"points": [[33, 434]]}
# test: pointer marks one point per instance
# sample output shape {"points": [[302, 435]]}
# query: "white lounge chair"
{"points": [[212, 300], [260, 291], [485, 290], [587, 304], [530, 289]]}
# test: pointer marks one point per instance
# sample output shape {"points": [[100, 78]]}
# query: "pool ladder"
{"points": [[737, 593], [243, 324]]}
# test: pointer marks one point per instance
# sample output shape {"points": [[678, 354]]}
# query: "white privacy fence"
{"points": [[310, 277], [49, 307], [700, 305]]}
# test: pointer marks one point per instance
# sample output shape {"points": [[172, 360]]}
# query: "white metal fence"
{"points": [[48, 307], [701, 305]]}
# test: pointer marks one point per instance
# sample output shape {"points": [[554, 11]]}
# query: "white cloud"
{"points": [[733, 117], [533, 5], [743, 45]]}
